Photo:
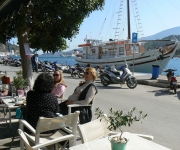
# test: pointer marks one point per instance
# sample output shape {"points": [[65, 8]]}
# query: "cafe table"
{"points": [[10, 104], [135, 143]]}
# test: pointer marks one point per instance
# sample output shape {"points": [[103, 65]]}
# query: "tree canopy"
{"points": [[49, 22]]}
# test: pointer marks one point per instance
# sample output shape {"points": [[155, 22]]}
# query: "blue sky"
{"points": [[154, 16]]}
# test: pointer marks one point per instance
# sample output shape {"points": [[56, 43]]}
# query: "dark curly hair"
{"points": [[44, 83]]}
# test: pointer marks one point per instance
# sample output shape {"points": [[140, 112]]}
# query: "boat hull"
{"points": [[140, 62]]}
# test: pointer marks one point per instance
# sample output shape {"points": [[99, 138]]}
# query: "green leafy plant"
{"points": [[19, 81], [117, 119]]}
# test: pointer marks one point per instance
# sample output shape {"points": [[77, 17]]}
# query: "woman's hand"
{"points": [[69, 102], [81, 82]]}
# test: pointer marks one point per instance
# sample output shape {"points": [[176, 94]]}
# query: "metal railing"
{"points": [[100, 56]]}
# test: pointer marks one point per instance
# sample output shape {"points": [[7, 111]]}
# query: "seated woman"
{"points": [[41, 102], [59, 85], [83, 94]]}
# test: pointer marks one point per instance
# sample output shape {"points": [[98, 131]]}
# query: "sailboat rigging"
{"points": [[115, 52]]}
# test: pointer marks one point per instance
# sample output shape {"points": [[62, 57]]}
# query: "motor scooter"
{"points": [[112, 76], [77, 71], [99, 70], [48, 67], [172, 79]]}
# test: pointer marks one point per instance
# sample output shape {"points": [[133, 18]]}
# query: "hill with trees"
{"points": [[163, 34], [156, 44], [8, 47]]}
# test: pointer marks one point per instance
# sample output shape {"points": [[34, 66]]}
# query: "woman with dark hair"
{"points": [[59, 84], [41, 102]]}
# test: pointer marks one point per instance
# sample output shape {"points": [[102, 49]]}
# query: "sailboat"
{"points": [[120, 52]]}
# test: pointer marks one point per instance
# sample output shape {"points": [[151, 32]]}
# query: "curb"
{"points": [[153, 83]]}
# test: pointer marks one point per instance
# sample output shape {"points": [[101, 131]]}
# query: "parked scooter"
{"points": [[48, 67], [77, 71], [99, 70], [172, 79], [112, 76], [17, 63]]}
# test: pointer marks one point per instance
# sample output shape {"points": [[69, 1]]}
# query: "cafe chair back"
{"points": [[93, 130], [66, 126], [79, 105], [25, 140], [98, 129]]}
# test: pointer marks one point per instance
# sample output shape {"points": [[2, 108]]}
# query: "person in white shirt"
{"points": [[36, 62]]}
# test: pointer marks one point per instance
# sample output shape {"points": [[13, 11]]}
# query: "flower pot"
{"points": [[117, 145]]}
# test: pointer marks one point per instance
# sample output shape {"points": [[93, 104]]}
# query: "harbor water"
{"points": [[173, 63]]}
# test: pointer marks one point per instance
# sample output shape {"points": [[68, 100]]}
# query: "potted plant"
{"points": [[19, 81], [116, 120]]}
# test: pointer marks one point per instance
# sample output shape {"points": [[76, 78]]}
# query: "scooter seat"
{"points": [[115, 72]]}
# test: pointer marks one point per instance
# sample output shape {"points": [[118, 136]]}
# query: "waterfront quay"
{"points": [[151, 96]]}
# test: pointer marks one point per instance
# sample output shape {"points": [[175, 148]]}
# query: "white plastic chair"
{"points": [[98, 129], [46, 124], [26, 142], [93, 130], [79, 105]]}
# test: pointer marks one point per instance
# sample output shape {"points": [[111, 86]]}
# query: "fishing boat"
{"points": [[120, 52]]}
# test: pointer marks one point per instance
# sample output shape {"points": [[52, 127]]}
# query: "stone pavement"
{"points": [[6, 134]]}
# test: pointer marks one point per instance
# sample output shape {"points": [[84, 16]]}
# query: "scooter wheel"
{"points": [[74, 75], [131, 83], [104, 82], [81, 74]]}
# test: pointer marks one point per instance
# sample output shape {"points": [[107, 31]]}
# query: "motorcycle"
{"points": [[48, 67], [112, 76], [17, 63], [99, 70], [77, 70], [172, 79]]}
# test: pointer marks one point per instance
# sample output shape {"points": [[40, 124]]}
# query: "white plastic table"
{"points": [[135, 143], [10, 104]]}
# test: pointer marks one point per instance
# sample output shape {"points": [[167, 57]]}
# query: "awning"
{"points": [[7, 7]]}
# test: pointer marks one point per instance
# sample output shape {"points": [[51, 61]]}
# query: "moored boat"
{"points": [[120, 52]]}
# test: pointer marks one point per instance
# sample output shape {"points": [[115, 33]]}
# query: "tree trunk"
{"points": [[26, 61]]}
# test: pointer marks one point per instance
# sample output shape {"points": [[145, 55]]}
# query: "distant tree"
{"points": [[46, 24]]}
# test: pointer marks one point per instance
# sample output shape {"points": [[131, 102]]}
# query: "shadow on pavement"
{"points": [[6, 132], [6, 135], [110, 87], [163, 92], [7, 144], [70, 77], [178, 95]]}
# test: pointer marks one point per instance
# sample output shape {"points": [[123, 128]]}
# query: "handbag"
{"points": [[85, 115], [18, 114]]}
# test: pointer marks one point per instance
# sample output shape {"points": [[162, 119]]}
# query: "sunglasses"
{"points": [[55, 75], [86, 73]]}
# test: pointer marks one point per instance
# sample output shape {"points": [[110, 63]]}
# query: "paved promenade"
{"points": [[6, 134], [143, 78]]}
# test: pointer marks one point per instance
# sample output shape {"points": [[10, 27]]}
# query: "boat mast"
{"points": [[128, 20]]}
